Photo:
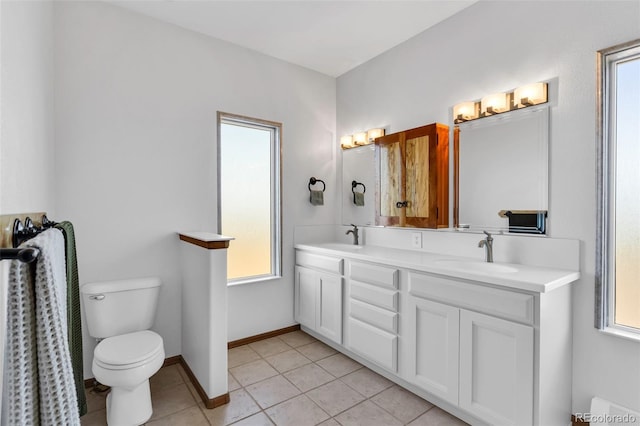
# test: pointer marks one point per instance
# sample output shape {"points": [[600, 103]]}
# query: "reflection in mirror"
{"points": [[358, 166], [501, 172]]}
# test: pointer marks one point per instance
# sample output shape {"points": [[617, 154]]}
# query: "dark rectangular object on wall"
{"points": [[526, 221]]}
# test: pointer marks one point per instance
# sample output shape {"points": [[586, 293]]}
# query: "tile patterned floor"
{"points": [[289, 380]]}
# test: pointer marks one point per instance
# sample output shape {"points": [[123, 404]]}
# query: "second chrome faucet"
{"points": [[487, 243], [353, 231]]}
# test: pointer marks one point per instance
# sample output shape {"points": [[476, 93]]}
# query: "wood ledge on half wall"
{"points": [[207, 240]]}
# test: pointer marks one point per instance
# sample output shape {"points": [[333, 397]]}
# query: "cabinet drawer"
{"points": [[381, 297], [326, 263], [502, 303], [374, 274], [381, 318], [374, 344]]}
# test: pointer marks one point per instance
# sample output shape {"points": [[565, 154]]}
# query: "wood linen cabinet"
{"points": [[413, 177]]}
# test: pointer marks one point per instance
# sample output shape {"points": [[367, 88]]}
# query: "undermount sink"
{"points": [[341, 246], [476, 266]]}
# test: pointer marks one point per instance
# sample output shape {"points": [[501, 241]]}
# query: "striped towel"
{"points": [[39, 379]]}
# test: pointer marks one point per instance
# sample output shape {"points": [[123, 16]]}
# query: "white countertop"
{"points": [[511, 275]]}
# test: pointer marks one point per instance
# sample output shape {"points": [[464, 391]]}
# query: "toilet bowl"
{"points": [[119, 314], [126, 363]]}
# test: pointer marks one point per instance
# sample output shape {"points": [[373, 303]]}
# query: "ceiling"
{"points": [[331, 37]]}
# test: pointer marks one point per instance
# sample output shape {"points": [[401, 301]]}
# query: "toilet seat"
{"points": [[129, 350]]}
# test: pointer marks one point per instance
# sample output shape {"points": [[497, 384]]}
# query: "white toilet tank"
{"points": [[118, 307]]}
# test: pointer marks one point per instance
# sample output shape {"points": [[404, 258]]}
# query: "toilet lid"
{"points": [[127, 349]]}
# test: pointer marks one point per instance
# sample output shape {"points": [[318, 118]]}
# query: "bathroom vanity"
{"points": [[489, 342]]}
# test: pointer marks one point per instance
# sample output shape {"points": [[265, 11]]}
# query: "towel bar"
{"points": [[26, 255]]}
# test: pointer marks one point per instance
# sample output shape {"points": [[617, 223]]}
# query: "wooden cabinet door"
{"points": [[306, 288], [434, 327], [420, 177], [329, 307], [413, 168], [496, 369], [390, 154]]}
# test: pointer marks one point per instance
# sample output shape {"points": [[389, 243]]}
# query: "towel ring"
{"points": [[354, 184], [313, 181]]}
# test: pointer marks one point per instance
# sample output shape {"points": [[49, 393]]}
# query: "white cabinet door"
{"points": [[434, 328], [318, 302], [496, 369], [306, 288], [329, 307]]}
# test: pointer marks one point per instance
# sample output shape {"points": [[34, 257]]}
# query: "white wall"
{"points": [[497, 46], [26, 107], [136, 103], [26, 118]]}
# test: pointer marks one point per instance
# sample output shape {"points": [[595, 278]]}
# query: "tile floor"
{"points": [[292, 380]]}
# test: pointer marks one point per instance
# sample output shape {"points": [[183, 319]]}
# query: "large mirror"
{"points": [[358, 199], [501, 172], [501, 167]]}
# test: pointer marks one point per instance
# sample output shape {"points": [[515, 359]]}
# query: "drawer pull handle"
{"points": [[96, 297]]}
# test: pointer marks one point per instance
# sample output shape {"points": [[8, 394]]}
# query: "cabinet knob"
{"points": [[401, 204]]}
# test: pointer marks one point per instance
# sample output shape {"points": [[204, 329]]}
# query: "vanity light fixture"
{"points": [[494, 104], [360, 138], [466, 111], [372, 134], [531, 94], [522, 97], [346, 142]]}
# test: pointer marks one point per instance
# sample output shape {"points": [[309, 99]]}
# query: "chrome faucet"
{"points": [[487, 243], [353, 231]]}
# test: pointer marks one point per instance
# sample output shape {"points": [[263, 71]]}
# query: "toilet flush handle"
{"points": [[96, 296]]}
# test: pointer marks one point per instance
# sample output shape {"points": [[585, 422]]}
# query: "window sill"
{"points": [[624, 334], [253, 280]]}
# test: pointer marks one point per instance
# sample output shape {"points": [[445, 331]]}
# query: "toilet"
{"points": [[119, 314]]}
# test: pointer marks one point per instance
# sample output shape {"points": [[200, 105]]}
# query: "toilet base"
{"points": [[129, 406]]}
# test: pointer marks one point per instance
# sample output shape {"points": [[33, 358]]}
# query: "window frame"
{"points": [[276, 196], [606, 184]]}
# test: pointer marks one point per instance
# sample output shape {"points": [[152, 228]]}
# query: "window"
{"points": [[618, 264], [249, 196]]}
